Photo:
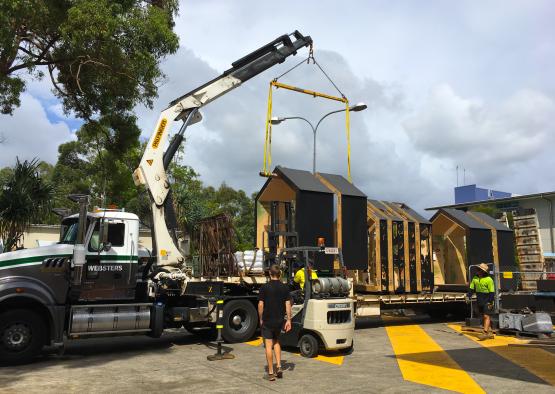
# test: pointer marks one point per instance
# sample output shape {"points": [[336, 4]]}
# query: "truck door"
{"points": [[111, 267]]}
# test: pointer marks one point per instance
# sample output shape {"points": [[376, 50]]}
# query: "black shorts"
{"points": [[270, 332], [486, 309], [485, 303]]}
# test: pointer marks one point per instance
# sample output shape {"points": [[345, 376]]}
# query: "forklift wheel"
{"points": [[349, 350], [308, 346]]}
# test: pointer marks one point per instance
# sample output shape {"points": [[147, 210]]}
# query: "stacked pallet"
{"points": [[528, 247]]}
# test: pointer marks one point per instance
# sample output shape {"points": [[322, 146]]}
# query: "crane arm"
{"points": [[152, 169]]}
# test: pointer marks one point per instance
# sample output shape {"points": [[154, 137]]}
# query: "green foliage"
{"points": [[195, 202], [103, 59], [239, 206], [24, 197], [490, 210], [102, 55], [188, 196], [100, 163]]}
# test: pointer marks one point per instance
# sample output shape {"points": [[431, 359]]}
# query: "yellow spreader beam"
{"points": [[267, 165]]}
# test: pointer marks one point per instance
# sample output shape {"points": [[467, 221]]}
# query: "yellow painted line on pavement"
{"points": [[332, 359], [538, 361], [255, 342], [336, 360], [422, 360]]}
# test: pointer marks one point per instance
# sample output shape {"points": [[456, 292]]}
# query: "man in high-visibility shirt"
{"points": [[482, 284], [300, 278]]}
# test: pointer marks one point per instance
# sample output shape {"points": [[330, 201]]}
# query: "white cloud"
{"points": [[491, 140], [29, 134], [57, 109]]}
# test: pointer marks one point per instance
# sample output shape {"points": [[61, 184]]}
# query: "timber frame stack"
{"points": [[399, 250], [215, 245], [418, 249], [529, 247]]}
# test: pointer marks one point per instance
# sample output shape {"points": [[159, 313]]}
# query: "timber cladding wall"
{"points": [[503, 250], [314, 219], [350, 220]]}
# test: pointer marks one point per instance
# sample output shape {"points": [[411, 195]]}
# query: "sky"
{"points": [[447, 84]]}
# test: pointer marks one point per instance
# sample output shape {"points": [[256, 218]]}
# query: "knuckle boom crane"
{"points": [[152, 169]]}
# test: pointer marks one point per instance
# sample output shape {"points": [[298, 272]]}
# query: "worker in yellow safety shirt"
{"points": [[482, 284], [300, 278]]}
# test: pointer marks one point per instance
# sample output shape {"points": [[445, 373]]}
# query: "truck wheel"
{"points": [[308, 345], [240, 321], [22, 335]]}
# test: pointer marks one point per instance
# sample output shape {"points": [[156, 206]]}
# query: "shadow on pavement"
{"points": [[398, 320], [478, 360], [82, 353]]}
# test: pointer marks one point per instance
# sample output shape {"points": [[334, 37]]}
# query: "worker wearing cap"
{"points": [[300, 277], [482, 284]]}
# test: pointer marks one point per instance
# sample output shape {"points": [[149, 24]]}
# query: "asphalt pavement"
{"points": [[391, 355]]}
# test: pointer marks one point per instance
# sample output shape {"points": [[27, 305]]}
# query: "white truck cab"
{"points": [[112, 254]]}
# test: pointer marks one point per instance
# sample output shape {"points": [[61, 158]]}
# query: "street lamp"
{"points": [[277, 120]]}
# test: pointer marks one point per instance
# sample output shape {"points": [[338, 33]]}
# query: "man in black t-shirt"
{"points": [[274, 304]]}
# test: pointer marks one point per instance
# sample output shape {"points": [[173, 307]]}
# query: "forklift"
{"points": [[322, 313]]}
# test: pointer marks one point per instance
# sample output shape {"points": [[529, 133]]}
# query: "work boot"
{"points": [[486, 335]]}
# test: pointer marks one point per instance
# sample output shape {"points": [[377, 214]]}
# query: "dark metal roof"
{"points": [[302, 180], [345, 187], [495, 201], [484, 217], [378, 214], [461, 218], [413, 213], [383, 208]]}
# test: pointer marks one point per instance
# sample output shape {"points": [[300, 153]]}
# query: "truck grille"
{"points": [[339, 317]]}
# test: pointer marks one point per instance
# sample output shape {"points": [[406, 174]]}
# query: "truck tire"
{"points": [[22, 336], [240, 321], [308, 345]]}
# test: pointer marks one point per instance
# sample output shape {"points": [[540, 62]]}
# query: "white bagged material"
{"points": [[250, 260], [538, 322], [511, 321]]}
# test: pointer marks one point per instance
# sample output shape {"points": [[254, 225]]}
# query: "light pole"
{"points": [[355, 108]]}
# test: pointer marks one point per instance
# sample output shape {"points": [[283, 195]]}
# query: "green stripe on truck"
{"points": [[39, 259]]}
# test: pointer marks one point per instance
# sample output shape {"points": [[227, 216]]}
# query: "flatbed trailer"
{"points": [[436, 304]]}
